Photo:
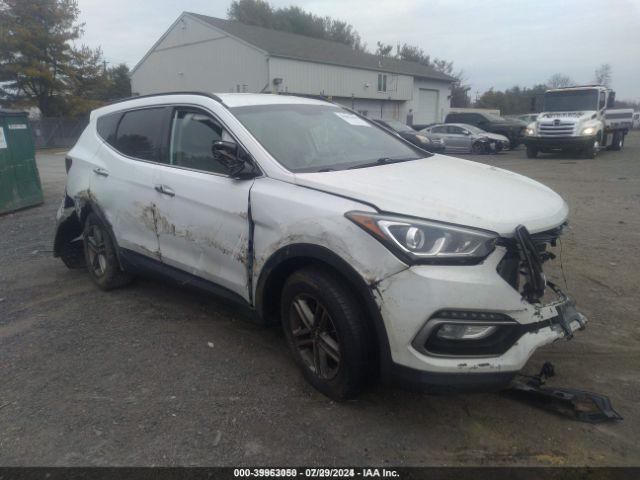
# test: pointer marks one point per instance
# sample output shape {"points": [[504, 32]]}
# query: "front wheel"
{"points": [[100, 256], [478, 148], [327, 332], [592, 150]]}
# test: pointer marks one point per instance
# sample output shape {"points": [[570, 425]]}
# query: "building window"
{"points": [[382, 82]]}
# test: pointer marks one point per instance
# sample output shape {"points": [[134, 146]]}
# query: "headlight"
{"points": [[423, 139], [425, 241], [589, 131], [529, 132]]}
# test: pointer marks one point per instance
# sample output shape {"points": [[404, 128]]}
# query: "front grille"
{"points": [[556, 129]]}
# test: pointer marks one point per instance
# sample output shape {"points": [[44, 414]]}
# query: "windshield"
{"points": [[311, 138], [571, 101], [398, 126]]}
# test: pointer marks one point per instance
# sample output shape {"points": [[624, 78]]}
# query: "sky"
{"points": [[496, 43]]}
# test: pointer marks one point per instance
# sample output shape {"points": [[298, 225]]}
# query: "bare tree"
{"points": [[603, 75], [383, 50], [558, 80]]}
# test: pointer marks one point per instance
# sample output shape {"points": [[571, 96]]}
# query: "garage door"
{"points": [[427, 107]]}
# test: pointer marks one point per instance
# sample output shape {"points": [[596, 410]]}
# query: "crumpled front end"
{"points": [[476, 326]]}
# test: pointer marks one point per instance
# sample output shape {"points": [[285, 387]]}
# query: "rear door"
{"points": [[125, 175], [203, 225], [439, 132]]}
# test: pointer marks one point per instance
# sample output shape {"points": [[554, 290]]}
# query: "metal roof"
{"points": [[299, 47]]}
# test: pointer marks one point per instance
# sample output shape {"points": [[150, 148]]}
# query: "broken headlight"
{"points": [[425, 241]]}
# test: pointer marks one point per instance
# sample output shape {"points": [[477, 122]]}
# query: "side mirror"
{"points": [[467, 133], [233, 158]]}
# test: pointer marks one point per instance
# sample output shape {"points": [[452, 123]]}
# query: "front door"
{"points": [[457, 139], [203, 225]]}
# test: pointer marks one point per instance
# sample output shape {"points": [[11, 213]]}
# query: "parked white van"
{"points": [[378, 258]]}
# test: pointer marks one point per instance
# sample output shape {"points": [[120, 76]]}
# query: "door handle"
{"points": [[101, 171], [165, 190]]}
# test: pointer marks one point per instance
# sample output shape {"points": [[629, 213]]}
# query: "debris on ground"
{"points": [[580, 405]]}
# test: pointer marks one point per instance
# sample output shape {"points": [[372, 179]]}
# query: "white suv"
{"points": [[380, 259]]}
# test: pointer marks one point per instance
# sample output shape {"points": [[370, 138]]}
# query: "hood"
{"points": [[496, 136], [450, 190], [508, 123]]}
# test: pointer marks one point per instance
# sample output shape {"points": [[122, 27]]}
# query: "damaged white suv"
{"points": [[378, 258]]}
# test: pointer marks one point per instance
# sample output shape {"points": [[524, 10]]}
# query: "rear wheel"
{"points": [[327, 332], [532, 152], [618, 141], [100, 256]]}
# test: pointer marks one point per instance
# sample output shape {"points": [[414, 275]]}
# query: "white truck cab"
{"points": [[575, 119]]}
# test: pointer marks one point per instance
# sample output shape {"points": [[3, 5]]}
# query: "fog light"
{"points": [[452, 331]]}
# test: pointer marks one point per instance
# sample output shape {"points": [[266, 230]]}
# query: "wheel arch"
{"points": [[72, 226], [290, 258]]}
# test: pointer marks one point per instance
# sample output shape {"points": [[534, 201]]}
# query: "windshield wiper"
{"points": [[383, 161]]}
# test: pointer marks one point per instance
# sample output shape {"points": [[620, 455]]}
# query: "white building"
{"points": [[200, 53]]}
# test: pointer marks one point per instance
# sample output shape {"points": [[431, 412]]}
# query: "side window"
{"points": [[453, 130], [603, 100], [106, 127], [139, 133], [438, 130], [192, 136]]}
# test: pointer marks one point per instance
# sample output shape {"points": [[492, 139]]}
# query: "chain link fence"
{"points": [[58, 132]]}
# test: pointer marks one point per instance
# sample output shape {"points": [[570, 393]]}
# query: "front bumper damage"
{"points": [[414, 299]]}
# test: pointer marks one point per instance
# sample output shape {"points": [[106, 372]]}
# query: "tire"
{"points": [[100, 256], [592, 150], [532, 152], [478, 148], [327, 332], [618, 141]]}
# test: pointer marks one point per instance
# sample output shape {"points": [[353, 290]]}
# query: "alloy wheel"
{"points": [[315, 336], [97, 250]]}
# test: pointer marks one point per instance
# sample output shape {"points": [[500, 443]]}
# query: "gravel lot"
{"points": [[156, 374]]}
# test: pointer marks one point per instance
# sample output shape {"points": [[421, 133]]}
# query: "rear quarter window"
{"points": [[106, 127], [139, 133]]}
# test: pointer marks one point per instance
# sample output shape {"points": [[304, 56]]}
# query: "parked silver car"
{"points": [[460, 137]]}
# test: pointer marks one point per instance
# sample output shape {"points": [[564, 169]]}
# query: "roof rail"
{"points": [[150, 95]]}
